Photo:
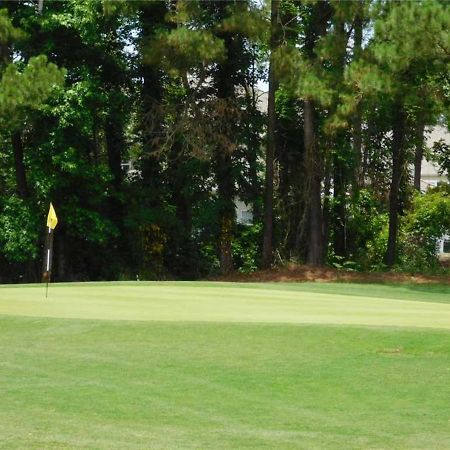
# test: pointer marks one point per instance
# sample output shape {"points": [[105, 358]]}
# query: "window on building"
{"points": [[446, 248], [246, 217]]}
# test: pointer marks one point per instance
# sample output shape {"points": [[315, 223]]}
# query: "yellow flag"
{"points": [[52, 220]]}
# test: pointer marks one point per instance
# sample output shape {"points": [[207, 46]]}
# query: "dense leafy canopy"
{"points": [[145, 123]]}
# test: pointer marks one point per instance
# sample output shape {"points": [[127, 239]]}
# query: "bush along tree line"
{"points": [[144, 121]]}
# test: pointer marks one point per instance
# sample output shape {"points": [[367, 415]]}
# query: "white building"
{"points": [[430, 177], [244, 213]]}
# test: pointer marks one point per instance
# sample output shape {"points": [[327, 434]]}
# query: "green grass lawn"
{"points": [[222, 365]]}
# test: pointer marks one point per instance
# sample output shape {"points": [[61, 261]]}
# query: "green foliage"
{"points": [[8, 32], [210, 260], [247, 21], [441, 155], [376, 248], [25, 90], [182, 49], [366, 228], [414, 31], [88, 225], [87, 86], [426, 222], [19, 230], [246, 248]]}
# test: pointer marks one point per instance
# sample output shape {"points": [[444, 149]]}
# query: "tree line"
{"points": [[142, 121]]}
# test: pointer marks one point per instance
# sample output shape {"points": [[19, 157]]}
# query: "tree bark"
{"points": [[271, 143], [115, 144], [315, 249], [225, 85], [21, 178], [357, 120], [322, 12], [341, 161], [398, 161], [225, 188], [418, 155], [153, 15], [339, 204]]}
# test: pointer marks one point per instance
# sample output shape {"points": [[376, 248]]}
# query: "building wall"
{"points": [[430, 172]]}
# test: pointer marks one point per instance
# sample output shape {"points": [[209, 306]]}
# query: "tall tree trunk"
{"points": [[253, 146], [418, 154], [255, 189], [339, 205], [21, 178], [115, 144], [225, 84], [290, 156], [322, 12], [152, 20], [315, 249], [326, 206], [179, 178], [225, 188], [357, 120], [271, 143], [341, 161], [153, 16], [398, 161]]}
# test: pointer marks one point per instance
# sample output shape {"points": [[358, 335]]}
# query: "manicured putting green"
{"points": [[228, 302], [224, 366]]}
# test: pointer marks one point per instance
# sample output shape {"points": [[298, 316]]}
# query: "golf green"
{"points": [[223, 365], [229, 302]]}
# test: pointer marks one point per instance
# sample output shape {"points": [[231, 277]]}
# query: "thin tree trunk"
{"points": [[252, 153], [21, 178], [326, 208], [225, 188], [153, 16], [341, 164], [315, 249], [270, 149], [418, 155], [357, 120], [225, 85], [339, 207], [398, 160], [115, 144]]}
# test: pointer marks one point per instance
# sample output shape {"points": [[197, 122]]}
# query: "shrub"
{"points": [[246, 247], [427, 221]]}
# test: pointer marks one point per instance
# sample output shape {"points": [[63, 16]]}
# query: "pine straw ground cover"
{"points": [[224, 365], [300, 273]]}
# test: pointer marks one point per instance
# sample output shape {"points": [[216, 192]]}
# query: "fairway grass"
{"points": [[224, 366]]}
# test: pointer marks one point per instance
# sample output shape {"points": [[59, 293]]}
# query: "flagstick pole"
{"points": [[52, 220], [48, 263]]}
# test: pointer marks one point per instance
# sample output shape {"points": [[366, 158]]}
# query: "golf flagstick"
{"points": [[49, 255], [52, 220]]}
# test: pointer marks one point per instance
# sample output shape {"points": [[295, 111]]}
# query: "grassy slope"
{"points": [[228, 302], [70, 383]]}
